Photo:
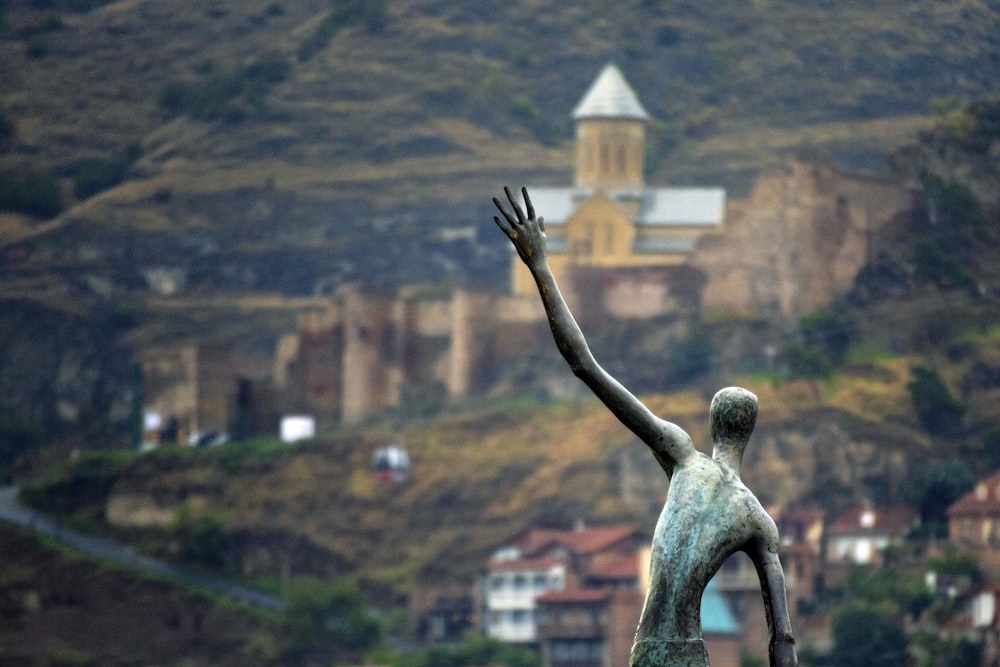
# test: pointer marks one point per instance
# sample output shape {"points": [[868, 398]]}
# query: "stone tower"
{"points": [[610, 135]]}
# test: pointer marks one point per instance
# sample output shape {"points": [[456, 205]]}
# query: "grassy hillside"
{"points": [[288, 148], [60, 609], [481, 474], [251, 125]]}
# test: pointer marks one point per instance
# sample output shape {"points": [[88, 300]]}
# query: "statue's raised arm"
{"points": [[670, 444]]}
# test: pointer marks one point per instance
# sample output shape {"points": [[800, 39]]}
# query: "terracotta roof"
{"points": [[582, 541], [614, 566], [861, 520], [983, 500], [521, 564], [575, 595]]}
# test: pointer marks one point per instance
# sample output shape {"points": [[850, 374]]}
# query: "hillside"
{"points": [[482, 474], [195, 172], [58, 608], [263, 156]]}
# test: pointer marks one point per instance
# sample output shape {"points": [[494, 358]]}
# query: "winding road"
{"points": [[112, 551]]}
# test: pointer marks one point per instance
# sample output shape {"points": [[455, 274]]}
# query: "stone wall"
{"points": [[803, 234]]}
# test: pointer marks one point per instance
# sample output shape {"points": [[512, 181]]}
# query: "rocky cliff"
{"points": [[800, 239]]}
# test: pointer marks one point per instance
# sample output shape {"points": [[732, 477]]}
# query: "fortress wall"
{"points": [[472, 336], [285, 355], [318, 370], [169, 384], [215, 384], [432, 317], [370, 353]]}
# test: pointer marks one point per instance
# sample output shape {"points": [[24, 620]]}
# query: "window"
{"points": [[577, 651], [522, 617]]}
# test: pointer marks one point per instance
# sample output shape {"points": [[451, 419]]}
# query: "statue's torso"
{"points": [[709, 515]]}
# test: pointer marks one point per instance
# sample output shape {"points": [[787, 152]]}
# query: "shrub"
{"points": [[97, 175], [34, 194], [319, 612], [955, 206], [479, 651], [935, 265], [807, 362], [368, 13], [8, 131], [935, 487], [830, 330], [668, 35], [866, 635], [225, 95], [937, 410], [204, 537]]}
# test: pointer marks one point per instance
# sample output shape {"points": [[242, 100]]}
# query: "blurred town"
{"points": [[279, 450]]}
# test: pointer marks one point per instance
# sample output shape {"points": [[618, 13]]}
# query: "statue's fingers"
{"points": [[504, 225], [500, 207], [514, 203], [527, 203]]}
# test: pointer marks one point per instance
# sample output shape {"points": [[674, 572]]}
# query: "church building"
{"points": [[609, 218]]}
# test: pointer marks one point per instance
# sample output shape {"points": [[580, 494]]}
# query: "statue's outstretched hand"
{"points": [[526, 232]]}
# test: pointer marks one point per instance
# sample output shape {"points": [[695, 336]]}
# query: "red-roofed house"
{"points": [[860, 534], [974, 523], [588, 627], [543, 561]]}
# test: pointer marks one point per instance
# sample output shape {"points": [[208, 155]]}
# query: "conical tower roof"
{"points": [[610, 96]]}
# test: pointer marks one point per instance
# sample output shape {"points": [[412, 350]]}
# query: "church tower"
{"points": [[610, 135]]}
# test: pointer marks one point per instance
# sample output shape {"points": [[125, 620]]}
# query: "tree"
{"points": [[330, 616], [829, 329], [475, 653], [935, 487], [938, 411], [866, 635]]}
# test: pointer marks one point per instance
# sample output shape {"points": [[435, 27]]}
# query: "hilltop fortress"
{"points": [[621, 251]]}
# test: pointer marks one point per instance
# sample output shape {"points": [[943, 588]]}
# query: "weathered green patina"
{"points": [[709, 513]]}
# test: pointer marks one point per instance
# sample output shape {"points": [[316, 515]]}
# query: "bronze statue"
{"points": [[709, 514]]}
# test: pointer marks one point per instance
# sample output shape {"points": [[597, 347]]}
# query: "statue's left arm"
{"points": [[781, 647]]}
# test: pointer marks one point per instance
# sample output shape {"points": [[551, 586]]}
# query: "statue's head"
{"points": [[733, 415]]}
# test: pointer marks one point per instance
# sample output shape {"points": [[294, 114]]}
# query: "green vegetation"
{"points": [[204, 537], [825, 338], [867, 635], [227, 95], [79, 6], [934, 488], [938, 411], [330, 616], [473, 653], [8, 131], [96, 175], [344, 13], [18, 437], [84, 482], [36, 194]]}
